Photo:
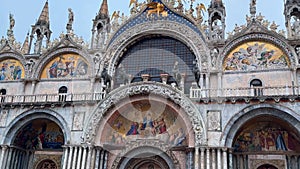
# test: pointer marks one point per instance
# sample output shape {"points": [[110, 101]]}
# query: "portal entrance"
{"points": [[267, 166], [146, 157], [150, 162]]}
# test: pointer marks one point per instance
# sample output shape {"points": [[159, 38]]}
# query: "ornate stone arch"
{"points": [[33, 114], [42, 63], [172, 29], [277, 41], [249, 112], [124, 158], [144, 88], [261, 163]]}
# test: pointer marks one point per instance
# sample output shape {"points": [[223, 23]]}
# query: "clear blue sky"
{"points": [[26, 12]]}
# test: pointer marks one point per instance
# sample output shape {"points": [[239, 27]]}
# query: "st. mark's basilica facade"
{"points": [[159, 89]]}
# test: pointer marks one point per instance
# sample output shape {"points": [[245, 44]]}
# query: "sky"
{"points": [[26, 12]]}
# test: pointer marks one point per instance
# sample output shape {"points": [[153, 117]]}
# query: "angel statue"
{"points": [[200, 9]]}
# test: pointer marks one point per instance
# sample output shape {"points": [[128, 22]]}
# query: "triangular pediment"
{"points": [[9, 48]]}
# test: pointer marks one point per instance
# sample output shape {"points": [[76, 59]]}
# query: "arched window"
{"points": [[2, 93], [62, 91], [159, 58], [256, 84]]}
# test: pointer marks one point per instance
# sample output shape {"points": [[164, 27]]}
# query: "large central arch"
{"points": [[172, 29], [146, 88]]}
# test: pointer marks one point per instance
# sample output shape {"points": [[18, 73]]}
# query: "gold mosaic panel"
{"points": [[255, 55], [11, 69], [65, 66]]}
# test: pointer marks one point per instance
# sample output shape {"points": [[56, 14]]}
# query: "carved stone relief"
{"points": [[78, 119], [214, 120], [3, 117]]}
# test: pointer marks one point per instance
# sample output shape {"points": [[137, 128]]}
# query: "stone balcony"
{"points": [[50, 99], [278, 93], [275, 93]]}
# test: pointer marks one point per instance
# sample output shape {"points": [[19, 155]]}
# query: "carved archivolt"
{"points": [[145, 88], [168, 28], [141, 146]]}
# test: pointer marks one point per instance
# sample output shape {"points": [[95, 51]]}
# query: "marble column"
{"points": [[105, 159], [207, 158], [213, 154], [66, 154], [101, 159], [201, 81], [93, 158], [196, 157], [9, 155], [70, 157], [75, 157], [25, 159], [89, 156], [189, 159], [5, 152], [219, 162], [224, 158], [230, 159], [202, 162], [97, 160], [14, 158], [83, 158], [79, 157]]}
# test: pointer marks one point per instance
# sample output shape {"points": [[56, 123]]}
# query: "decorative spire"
{"points": [[253, 8], [44, 16], [25, 47], [103, 12], [216, 3]]}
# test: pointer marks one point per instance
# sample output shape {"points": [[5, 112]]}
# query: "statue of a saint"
{"points": [[11, 21]]}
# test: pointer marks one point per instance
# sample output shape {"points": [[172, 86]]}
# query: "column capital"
{"points": [[5, 147]]}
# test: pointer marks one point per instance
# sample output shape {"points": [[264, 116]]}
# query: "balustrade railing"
{"points": [[48, 98], [196, 93]]}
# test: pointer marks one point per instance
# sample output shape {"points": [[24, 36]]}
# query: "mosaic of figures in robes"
{"points": [[143, 119], [40, 134], [256, 56], [11, 69], [266, 137], [66, 66]]}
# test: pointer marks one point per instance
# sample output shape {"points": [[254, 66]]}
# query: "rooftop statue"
{"points": [[11, 21]]}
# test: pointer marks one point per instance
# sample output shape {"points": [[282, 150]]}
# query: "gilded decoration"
{"points": [[66, 66], [255, 55], [265, 136], [145, 120], [11, 69]]}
